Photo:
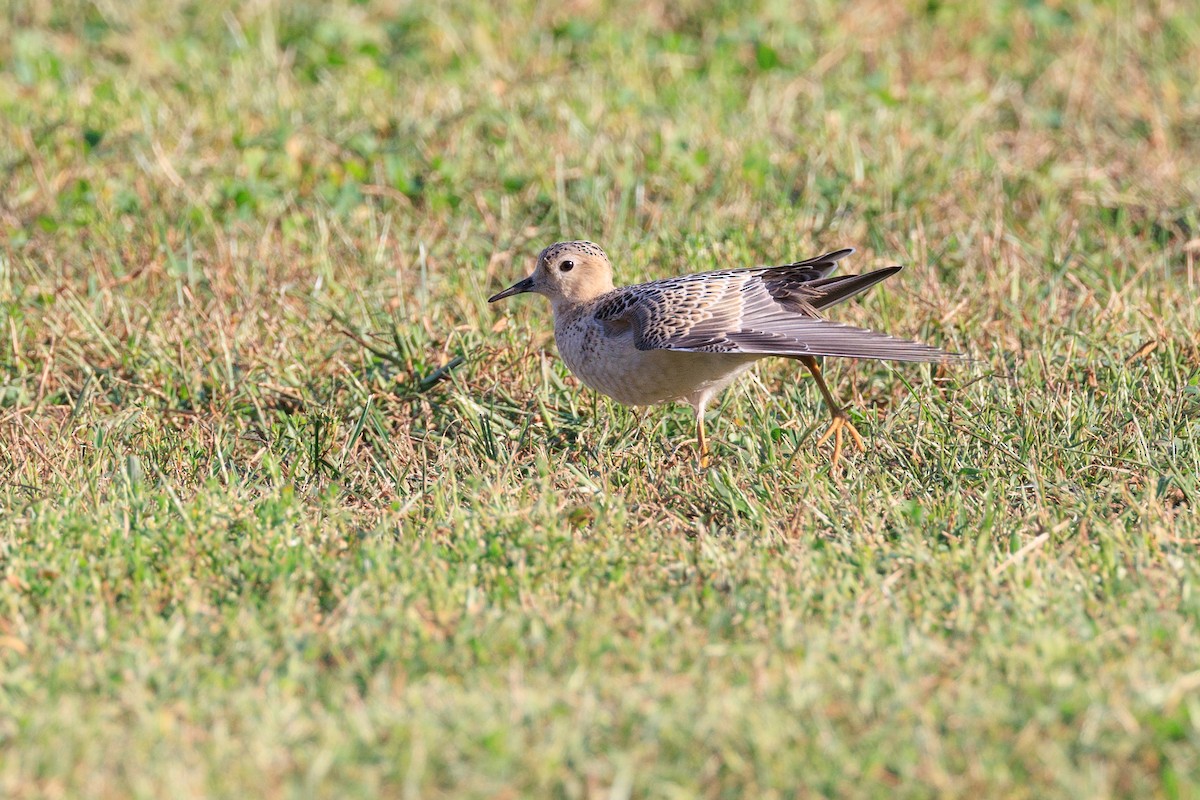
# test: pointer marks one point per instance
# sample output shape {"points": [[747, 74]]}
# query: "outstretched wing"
{"points": [[761, 310]]}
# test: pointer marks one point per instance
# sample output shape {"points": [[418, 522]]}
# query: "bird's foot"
{"points": [[841, 422]]}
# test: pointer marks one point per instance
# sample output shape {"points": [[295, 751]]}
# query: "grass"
{"points": [[287, 510]]}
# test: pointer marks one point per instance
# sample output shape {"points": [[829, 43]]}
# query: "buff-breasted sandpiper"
{"points": [[686, 338]]}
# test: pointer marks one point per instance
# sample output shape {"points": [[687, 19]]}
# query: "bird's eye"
{"points": [[566, 266]]}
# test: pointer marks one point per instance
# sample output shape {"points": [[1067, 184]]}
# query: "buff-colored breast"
{"points": [[614, 366]]}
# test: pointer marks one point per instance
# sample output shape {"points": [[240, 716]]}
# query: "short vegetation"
{"points": [[287, 510]]}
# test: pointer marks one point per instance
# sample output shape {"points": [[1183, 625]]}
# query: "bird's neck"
{"points": [[566, 312], [564, 308]]}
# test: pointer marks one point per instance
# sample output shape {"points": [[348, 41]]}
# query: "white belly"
{"points": [[615, 367]]}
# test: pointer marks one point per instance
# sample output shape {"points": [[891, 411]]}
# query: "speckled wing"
{"points": [[761, 311]]}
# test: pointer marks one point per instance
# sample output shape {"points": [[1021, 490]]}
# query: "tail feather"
{"points": [[831, 291]]}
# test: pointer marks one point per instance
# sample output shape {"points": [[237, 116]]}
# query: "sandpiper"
{"points": [[686, 338]]}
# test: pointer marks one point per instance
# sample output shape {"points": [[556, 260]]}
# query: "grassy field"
{"points": [[286, 510]]}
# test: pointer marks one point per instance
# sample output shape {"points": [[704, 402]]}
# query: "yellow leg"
{"points": [[841, 421], [701, 442]]}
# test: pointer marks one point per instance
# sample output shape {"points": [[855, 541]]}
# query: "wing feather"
{"points": [[760, 310]]}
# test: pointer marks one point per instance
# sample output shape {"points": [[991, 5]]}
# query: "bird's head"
{"points": [[567, 273]]}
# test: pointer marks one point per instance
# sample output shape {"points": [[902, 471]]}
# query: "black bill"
{"points": [[517, 288]]}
